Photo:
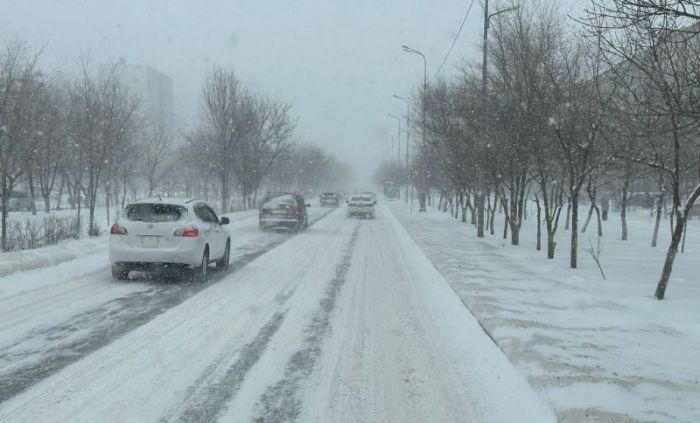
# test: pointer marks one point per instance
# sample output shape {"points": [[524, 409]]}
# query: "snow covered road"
{"points": [[345, 322]]}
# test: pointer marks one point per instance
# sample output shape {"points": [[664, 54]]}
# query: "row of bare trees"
{"points": [[84, 135], [574, 110], [71, 134], [244, 143]]}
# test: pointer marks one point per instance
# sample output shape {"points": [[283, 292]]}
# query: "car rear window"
{"points": [[155, 212], [366, 199], [279, 201]]}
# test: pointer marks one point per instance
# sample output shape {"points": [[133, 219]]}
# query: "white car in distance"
{"points": [[171, 234], [361, 205]]}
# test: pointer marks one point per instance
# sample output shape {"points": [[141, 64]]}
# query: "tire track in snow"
{"points": [[224, 377], [280, 403], [63, 344]]}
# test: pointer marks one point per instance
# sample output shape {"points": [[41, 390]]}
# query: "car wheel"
{"points": [[224, 261], [120, 272], [201, 273]]}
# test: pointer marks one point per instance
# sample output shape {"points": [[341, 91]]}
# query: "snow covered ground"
{"points": [[596, 350], [348, 321]]}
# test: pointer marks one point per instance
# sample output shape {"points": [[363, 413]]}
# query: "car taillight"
{"points": [[295, 211], [118, 230], [188, 232]]}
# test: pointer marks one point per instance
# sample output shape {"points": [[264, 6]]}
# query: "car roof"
{"points": [[178, 201]]}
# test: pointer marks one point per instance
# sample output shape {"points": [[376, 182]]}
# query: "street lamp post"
{"points": [[408, 49], [398, 151], [408, 127]]}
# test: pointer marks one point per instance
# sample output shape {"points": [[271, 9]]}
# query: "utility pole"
{"points": [[421, 193], [484, 92], [398, 161], [408, 134]]}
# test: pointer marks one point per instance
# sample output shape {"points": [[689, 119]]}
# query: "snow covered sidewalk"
{"points": [[595, 350]]}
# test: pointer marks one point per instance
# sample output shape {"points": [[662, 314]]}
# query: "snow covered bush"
{"points": [[32, 234]]}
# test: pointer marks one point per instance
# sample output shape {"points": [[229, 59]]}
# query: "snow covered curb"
{"points": [[18, 261], [503, 394]]}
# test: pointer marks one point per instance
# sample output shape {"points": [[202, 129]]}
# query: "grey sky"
{"points": [[340, 61]]}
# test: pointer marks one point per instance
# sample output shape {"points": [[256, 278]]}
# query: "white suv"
{"points": [[173, 234]]}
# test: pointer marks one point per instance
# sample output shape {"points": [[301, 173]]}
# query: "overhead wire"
{"points": [[461, 26]]}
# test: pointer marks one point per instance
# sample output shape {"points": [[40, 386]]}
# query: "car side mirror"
{"points": [[225, 221]]}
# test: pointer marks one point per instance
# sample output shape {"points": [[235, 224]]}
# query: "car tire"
{"points": [[201, 272], [120, 272], [223, 262]]}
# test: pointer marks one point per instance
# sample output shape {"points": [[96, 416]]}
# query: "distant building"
{"points": [[153, 89]]}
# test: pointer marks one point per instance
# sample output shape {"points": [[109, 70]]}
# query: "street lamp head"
{"points": [[408, 49], [399, 97]]}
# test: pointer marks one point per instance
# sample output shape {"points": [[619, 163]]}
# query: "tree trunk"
{"points": [[472, 211], [657, 221], [551, 245], [568, 215], [47, 202], [539, 225], [60, 193], [504, 203], [493, 215], [574, 230], [588, 219], [108, 193], [5, 200], [623, 206], [480, 216], [670, 257]]}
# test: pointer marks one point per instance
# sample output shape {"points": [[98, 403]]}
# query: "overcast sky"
{"points": [[339, 61]]}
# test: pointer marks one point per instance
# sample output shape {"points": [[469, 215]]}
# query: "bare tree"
{"points": [[222, 100], [50, 153], [19, 79], [100, 117], [155, 152], [268, 128], [653, 50]]}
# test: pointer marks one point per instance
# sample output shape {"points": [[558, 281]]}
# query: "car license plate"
{"points": [[149, 241]]}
